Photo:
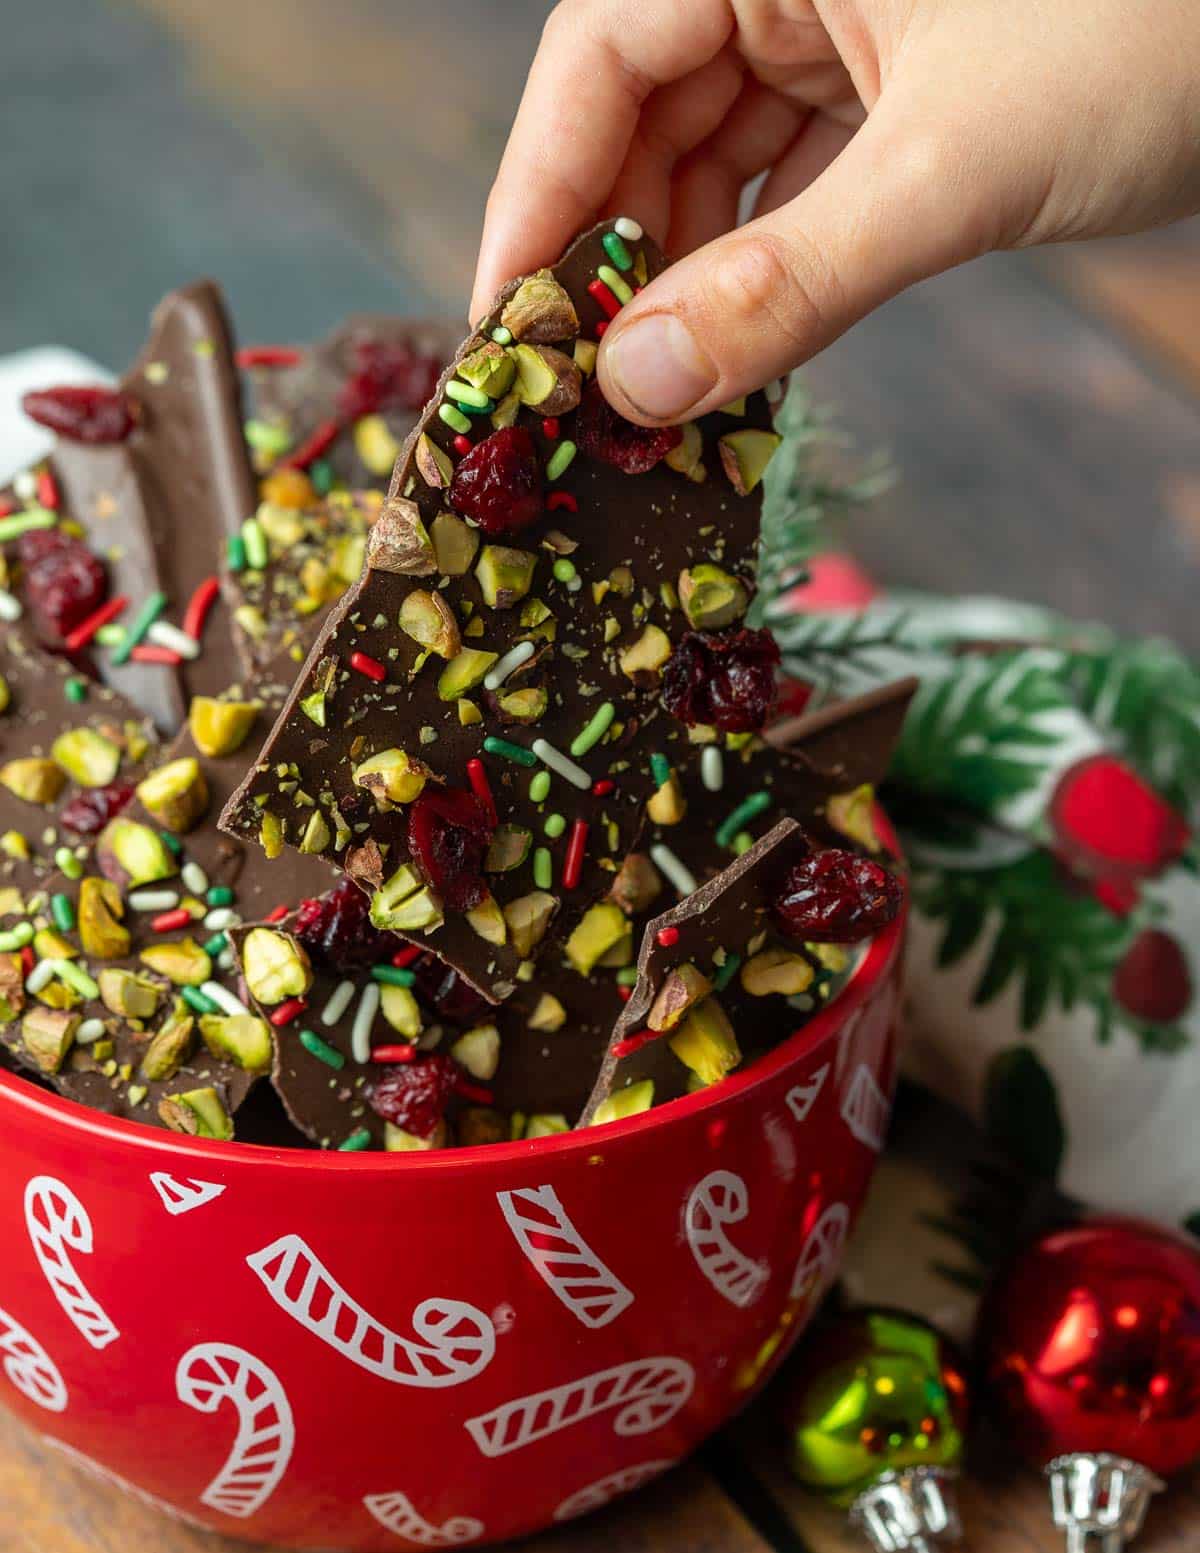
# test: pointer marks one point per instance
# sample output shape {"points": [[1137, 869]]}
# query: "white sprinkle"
{"points": [[227, 960], [675, 871], [575, 584], [221, 917], [627, 227], [195, 880], [10, 607], [557, 761], [775, 390], [364, 1018], [166, 635], [154, 900], [25, 485], [223, 998], [339, 1002], [41, 975], [712, 768], [496, 675], [90, 1030]]}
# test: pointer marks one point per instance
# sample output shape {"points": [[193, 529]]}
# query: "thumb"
{"points": [[894, 207]]}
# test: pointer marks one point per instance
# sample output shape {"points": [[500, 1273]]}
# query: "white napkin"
{"points": [[22, 441]]}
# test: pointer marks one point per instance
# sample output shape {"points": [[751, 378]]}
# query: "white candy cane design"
{"points": [[721, 1199], [58, 1224], [456, 1340], [821, 1254], [212, 1373], [802, 1097], [647, 1392], [30, 1368], [609, 1488], [107, 1475], [865, 1109], [570, 1268], [182, 1196], [395, 1512]]}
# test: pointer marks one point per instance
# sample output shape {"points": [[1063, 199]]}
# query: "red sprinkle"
{"points": [[603, 787], [563, 499], [6, 507], [573, 863], [462, 443], [469, 1091], [86, 629], [477, 776], [598, 290], [308, 452], [268, 356], [550, 427], [278, 914], [286, 1012], [405, 957], [168, 921], [393, 1053], [634, 1043], [27, 959], [601, 327], [147, 652], [47, 490], [624, 993], [199, 605], [668, 937], [371, 667]]}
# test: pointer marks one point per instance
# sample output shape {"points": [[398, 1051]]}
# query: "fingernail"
{"points": [[659, 367]]}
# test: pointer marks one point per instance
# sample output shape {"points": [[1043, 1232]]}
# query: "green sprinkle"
{"points": [[619, 288], [67, 863], [392, 975], [172, 843], [76, 978], [660, 769], [219, 895], [62, 912], [564, 570], [322, 1051], [199, 1002], [501, 335], [76, 689], [597, 726], [356, 1142], [254, 542], [560, 459], [539, 787], [321, 475], [215, 945], [22, 522], [522, 757], [748, 809], [627, 976], [110, 635], [453, 418], [726, 973], [554, 826], [139, 625], [268, 439], [235, 553], [617, 251], [543, 868], [16, 937], [467, 394], [742, 842]]}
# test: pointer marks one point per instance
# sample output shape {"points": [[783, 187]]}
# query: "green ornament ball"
{"points": [[870, 1392]]}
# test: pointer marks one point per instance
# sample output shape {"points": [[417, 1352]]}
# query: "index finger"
{"points": [[597, 63]]}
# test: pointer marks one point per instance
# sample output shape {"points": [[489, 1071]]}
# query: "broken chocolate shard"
{"points": [[848, 742]]}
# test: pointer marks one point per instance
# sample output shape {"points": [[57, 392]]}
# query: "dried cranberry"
{"points": [[448, 994], [837, 897], [413, 1096], [90, 810], [83, 414], [602, 433], [1108, 821], [448, 835], [337, 932], [64, 581], [388, 375], [499, 482], [722, 678], [1153, 981]]}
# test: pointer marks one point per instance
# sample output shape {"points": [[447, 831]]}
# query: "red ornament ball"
{"points": [[1090, 1341]]}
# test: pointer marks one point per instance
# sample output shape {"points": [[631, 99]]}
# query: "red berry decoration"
{"points": [[443, 990], [499, 482], [413, 1096], [1108, 820], [837, 897], [64, 582], [448, 835], [337, 931], [601, 433], [1153, 981], [725, 679], [90, 810], [83, 414], [388, 376]]}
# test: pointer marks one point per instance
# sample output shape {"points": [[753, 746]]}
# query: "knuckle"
{"points": [[759, 280]]}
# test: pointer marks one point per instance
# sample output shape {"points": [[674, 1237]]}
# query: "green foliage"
{"points": [[1021, 1114]]}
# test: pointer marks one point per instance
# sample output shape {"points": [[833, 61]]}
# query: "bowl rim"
{"points": [[116, 1132]]}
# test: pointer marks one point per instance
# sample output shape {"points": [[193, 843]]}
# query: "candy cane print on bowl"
{"points": [[58, 1224], [354, 1280], [722, 1199]]}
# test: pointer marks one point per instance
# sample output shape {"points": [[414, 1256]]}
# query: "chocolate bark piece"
{"points": [[727, 919], [160, 506], [606, 553]]}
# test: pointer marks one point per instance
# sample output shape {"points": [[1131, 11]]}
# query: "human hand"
{"points": [[898, 138]]}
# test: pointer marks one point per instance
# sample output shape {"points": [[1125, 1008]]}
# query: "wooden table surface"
{"points": [[1043, 412]]}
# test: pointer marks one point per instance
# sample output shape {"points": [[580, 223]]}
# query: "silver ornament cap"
{"points": [[910, 1511], [1095, 1495]]}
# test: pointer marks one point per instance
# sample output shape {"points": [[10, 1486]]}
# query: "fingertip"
{"points": [[653, 370]]}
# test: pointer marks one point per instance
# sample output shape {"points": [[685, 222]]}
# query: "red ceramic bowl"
{"points": [[367, 1352]]}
